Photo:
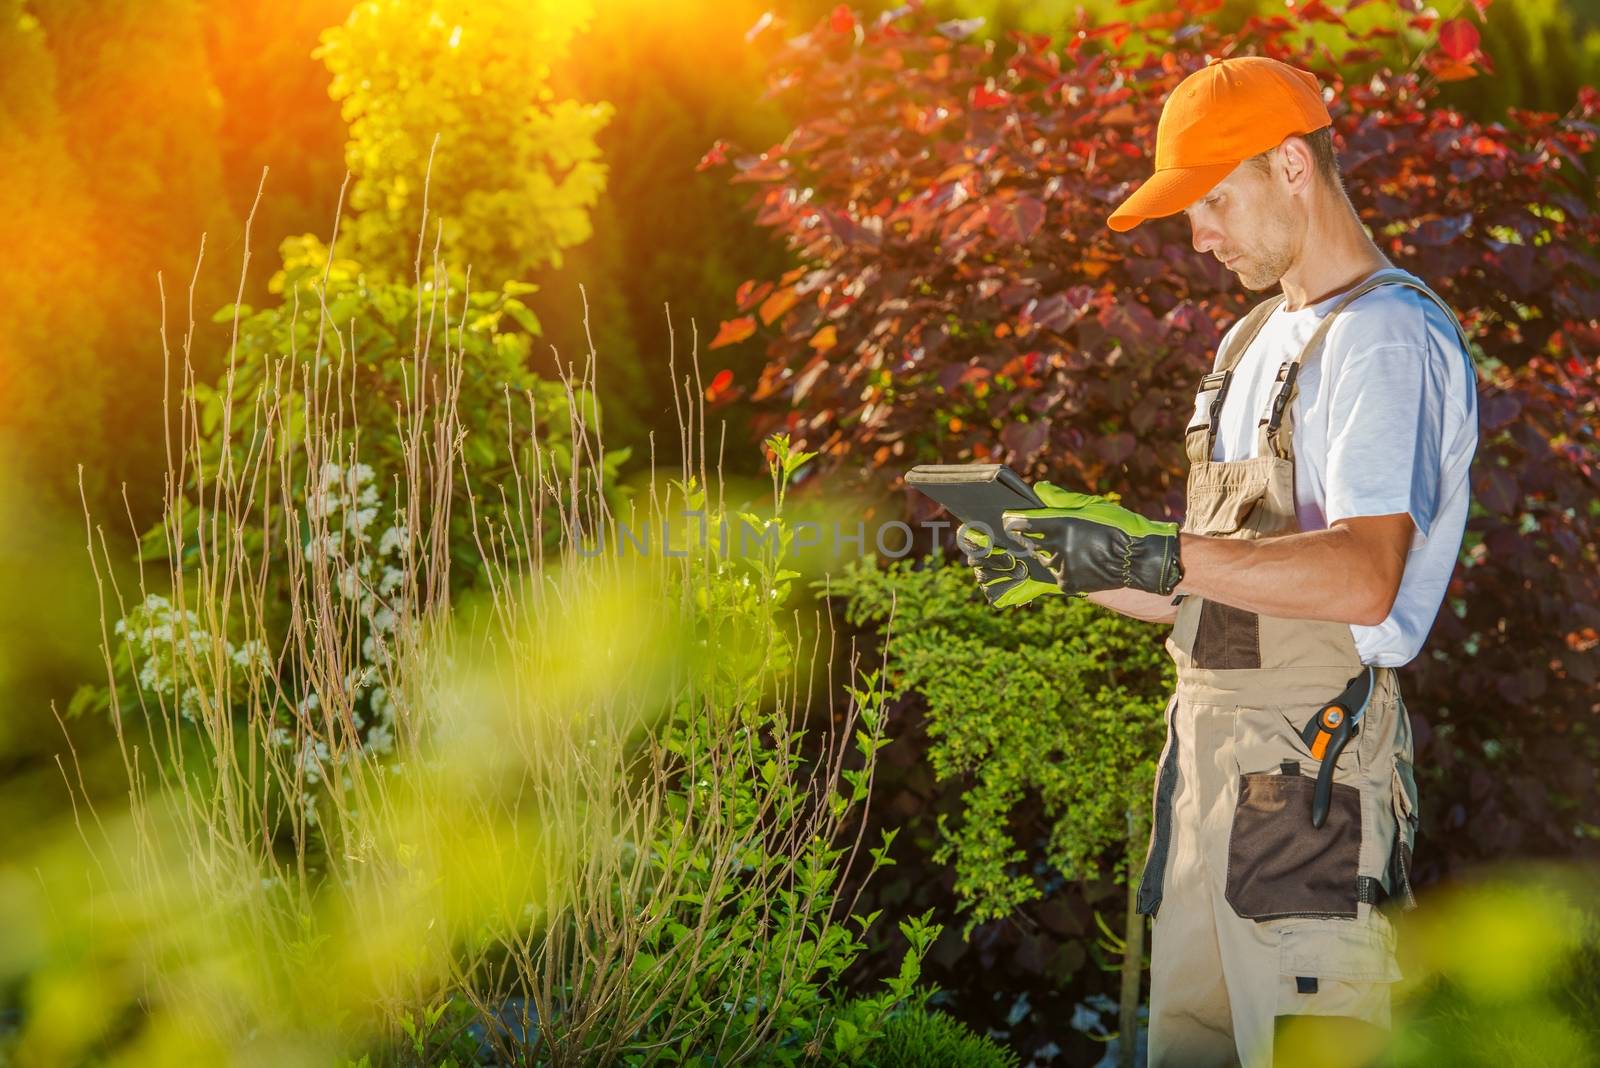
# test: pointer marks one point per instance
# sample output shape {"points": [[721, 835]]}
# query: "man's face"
{"points": [[1248, 222]]}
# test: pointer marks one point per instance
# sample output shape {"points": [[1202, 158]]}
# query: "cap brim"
{"points": [[1166, 192]]}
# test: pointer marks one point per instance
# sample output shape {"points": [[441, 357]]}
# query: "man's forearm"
{"points": [[1340, 574], [1150, 607], [1320, 574]]}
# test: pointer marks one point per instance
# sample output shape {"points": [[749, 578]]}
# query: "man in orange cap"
{"points": [[1325, 508]]}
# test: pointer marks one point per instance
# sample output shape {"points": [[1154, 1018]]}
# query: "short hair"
{"points": [[1326, 162]]}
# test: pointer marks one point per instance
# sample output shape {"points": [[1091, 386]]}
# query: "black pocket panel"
{"points": [[1278, 864]]}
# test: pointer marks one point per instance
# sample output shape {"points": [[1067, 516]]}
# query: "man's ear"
{"points": [[1299, 165]]}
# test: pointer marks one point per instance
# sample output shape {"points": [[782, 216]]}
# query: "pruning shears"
{"points": [[1326, 733]]}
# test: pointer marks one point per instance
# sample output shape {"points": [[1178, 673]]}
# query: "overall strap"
{"points": [[1275, 428], [1201, 438]]}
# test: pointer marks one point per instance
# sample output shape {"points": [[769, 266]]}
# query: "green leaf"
{"points": [[524, 317]]}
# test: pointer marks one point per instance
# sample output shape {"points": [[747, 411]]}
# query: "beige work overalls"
{"points": [[1258, 915]]}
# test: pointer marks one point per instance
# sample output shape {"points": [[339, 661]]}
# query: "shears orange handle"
{"points": [[1325, 734]]}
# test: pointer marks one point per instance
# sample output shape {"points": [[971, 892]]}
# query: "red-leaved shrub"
{"points": [[958, 297]]}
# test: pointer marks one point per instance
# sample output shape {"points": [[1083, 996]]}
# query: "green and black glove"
{"points": [[1089, 543], [1003, 578]]}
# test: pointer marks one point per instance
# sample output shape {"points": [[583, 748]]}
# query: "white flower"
{"points": [[154, 677], [358, 520], [390, 581], [380, 739], [374, 651], [394, 539], [312, 757], [309, 702], [349, 581], [330, 544], [253, 653]]}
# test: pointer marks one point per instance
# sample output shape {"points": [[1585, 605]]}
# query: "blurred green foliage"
{"points": [[593, 834], [109, 134], [1058, 705], [1501, 968]]}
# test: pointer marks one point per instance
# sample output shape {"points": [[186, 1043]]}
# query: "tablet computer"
{"points": [[977, 494]]}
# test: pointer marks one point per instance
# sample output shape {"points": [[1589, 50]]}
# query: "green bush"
{"points": [[1058, 704], [515, 172], [926, 1038], [340, 463], [591, 833]]}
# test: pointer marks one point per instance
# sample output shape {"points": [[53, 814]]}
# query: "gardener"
{"points": [[1327, 495]]}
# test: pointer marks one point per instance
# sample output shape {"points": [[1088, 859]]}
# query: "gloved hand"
{"points": [[1003, 578], [1089, 543]]}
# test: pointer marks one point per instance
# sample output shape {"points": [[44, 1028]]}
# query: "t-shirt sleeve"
{"points": [[1385, 435]]}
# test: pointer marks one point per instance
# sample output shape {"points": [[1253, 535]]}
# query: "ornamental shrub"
{"points": [[1050, 719], [515, 171], [314, 431], [957, 296]]}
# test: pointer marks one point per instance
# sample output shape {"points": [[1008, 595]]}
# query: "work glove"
{"points": [[1090, 543], [1003, 578]]}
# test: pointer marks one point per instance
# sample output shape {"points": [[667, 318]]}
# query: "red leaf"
{"points": [[1497, 490], [716, 155], [1317, 11], [734, 331], [749, 292], [1497, 410], [987, 96], [1163, 20], [1018, 220], [1442, 231], [719, 384], [1458, 39], [843, 20], [778, 303], [1121, 115], [1453, 70]]}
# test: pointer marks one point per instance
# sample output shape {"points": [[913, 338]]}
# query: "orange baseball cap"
{"points": [[1221, 114]]}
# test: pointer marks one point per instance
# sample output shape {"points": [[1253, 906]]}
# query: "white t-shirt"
{"points": [[1386, 421]]}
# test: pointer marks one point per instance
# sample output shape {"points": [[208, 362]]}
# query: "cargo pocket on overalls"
{"points": [[1279, 865], [1336, 969], [1405, 834], [1216, 511]]}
